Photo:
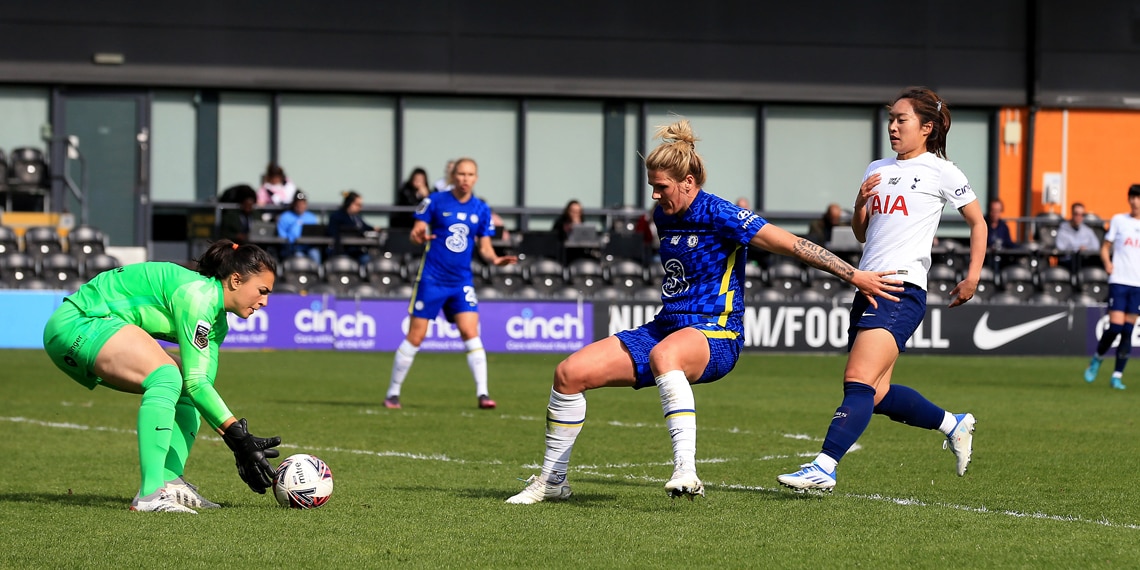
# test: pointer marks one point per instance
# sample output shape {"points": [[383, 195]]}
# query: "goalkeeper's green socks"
{"points": [[156, 425], [187, 421]]}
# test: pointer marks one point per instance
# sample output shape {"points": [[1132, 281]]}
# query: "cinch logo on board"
{"points": [[257, 322], [528, 326], [320, 320]]}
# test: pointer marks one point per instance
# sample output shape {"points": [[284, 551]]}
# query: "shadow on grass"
{"points": [[116, 502]]}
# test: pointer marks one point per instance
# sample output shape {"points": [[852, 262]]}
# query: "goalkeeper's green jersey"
{"points": [[170, 303]]}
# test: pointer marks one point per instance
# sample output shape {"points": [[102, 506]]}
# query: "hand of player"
{"points": [[507, 260], [875, 284], [250, 453], [867, 189], [963, 292], [420, 235]]}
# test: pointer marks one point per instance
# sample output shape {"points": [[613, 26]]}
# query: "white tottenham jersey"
{"points": [[1124, 233], [904, 215]]}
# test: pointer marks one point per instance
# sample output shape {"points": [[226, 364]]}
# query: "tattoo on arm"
{"points": [[820, 258]]}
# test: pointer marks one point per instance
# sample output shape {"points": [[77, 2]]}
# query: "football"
{"points": [[302, 481]]}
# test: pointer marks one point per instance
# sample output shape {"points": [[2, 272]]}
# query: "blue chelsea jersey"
{"points": [[703, 251], [457, 227]]}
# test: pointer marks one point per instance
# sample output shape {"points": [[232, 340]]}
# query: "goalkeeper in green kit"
{"points": [[105, 334]]}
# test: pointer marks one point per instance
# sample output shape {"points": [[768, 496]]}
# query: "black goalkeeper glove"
{"points": [[251, 453]]}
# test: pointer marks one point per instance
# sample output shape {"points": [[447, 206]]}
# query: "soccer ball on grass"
{"points": [[302, 481]]}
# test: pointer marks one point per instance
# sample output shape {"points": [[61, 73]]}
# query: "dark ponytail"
{"points": [[225, 258]]}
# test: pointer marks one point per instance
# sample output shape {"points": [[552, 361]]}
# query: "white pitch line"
{"points": [[590, 470]]}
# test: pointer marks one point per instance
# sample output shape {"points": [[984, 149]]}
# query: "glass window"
{"points": [[25, 111], [814, 156], [564, 151], [437, 130], [727, 143], [243, 138], [174, 126], [329, 144]]}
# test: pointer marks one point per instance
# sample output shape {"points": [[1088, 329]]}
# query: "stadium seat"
{"points": [[36, 283], [343, 271], [609, 293], [15, 268], [940, 272], [97, 264], [586, 275], [526, 292], [766, 295], [1084, 300], [59, 268], [385, 270], [812, 296], [824, 282], [399, 245], [546, 275], [940, 287], [1046, 298], [567, 293], [325, 288], [1006, 298], [40, 241], [627, 276], [9, 241], [85, 241], [1056, 281], [1093, 281], [506, 278], [1046, 227], [301, 272], [1018, 280], [27, 167], [488, 292], [786, 276]]}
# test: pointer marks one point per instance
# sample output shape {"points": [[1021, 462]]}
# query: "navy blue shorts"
{"points": [[724, 350], [453, 299], [901, 318], [1124, 298]]}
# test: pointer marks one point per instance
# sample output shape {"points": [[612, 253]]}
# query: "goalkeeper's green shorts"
{"points": [[73, 340]]}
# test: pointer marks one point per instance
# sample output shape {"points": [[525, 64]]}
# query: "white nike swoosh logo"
{"points": [[986, 338], [868, 314]]}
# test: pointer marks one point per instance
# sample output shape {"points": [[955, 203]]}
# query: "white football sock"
{"points": [[405, 355], [948, 423], [680, 414], [564, 418], [477, 362], [827, 462]]}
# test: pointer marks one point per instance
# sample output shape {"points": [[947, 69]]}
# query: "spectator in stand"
{"points": [[820, 230], [275, 187], [1074, 236], [347, 221], [571, 216], [999, 234], [446, 182], [411, 193], [235, 222], [289, 227]]}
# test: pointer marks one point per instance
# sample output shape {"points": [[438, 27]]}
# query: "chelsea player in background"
{"points": [[897, 211], [698, 335], [452, 223]]}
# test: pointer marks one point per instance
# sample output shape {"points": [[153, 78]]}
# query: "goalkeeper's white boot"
{"points": [[538, 490], [159, 502], [684, 482], [961, 441], [187, 494]]}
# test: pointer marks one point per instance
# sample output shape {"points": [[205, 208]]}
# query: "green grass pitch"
{"points": [[1052, 484]]}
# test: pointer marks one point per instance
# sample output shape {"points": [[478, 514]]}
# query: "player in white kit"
{"points": [[1120, 253], [896, 214]]}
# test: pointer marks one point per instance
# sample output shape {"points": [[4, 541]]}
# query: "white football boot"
{"points": [[538, 490]]}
